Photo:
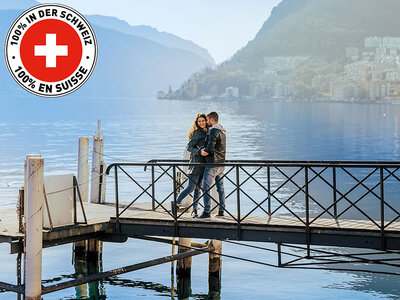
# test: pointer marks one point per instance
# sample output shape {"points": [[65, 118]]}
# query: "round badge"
{"points": [[51, 50]]}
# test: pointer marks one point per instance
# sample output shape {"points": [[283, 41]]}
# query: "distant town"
{"points": [[367, 74]]}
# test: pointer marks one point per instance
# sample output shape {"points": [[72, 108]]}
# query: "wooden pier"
{"points": [[140, 220], [268, 218]]}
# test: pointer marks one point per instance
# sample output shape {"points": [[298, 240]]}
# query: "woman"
{"points": [[197, 140]]}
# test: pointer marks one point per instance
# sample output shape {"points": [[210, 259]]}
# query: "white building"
{"points": [[391, 42], [373, 42], [352, 52], [357, 70], [232, 92], [382, 42]]}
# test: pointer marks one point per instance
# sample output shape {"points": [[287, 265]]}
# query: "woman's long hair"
{"points": [[195, 126]]}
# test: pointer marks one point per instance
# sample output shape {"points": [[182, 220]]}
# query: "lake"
{"points": [[140, 129]]}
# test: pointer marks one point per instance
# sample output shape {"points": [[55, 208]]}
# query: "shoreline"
{"points": [[283, 100]]}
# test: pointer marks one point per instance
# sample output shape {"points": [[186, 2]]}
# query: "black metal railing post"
{"points": [[334, 192], [382, 196], [238, 202], [117, 225], [175, 210], [153, 190], [307, 200], [269, 190]]}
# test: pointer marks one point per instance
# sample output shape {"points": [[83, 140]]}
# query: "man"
{"points": [[215, 153]]}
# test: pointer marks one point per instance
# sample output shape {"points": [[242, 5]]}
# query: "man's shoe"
{"points": [[204, 215], [220, 213], [194, 213]]}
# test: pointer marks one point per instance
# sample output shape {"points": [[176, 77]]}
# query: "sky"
{"points": [[220, 26]]}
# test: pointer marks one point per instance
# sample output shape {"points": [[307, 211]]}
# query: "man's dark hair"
{"points": [[213, 115]]}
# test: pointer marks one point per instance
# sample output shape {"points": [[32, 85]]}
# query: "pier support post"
{"points": [[93, 267], [25, 179], [183, 269], [84, 267], [83, 182], [214, 268], [24, 216], [184, 266], [80, 271], [97, 160], [83, 168], [92, 250], [93, 246], [34, 228]]}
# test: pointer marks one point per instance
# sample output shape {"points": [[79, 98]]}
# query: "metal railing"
{"points": [[306, 191]]}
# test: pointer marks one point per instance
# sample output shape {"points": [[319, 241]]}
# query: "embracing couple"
{"points": [[207, 144]]}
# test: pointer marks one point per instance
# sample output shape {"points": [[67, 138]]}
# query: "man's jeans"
{"points": [[194, 184], [211, 176]]}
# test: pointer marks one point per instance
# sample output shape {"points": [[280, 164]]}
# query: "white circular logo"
{"points": [[50, 50]]}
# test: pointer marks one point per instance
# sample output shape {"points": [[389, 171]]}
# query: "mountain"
{"points": [[150, 33], [130, 65], [127, 65], [317, 29], [164, 38]]}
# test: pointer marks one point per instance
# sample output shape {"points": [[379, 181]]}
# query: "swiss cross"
{"points": [[51, 50]]}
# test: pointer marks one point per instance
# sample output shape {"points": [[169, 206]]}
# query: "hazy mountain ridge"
{"points": [[148, 32], [144, 31], [127, 64], [138, 66]]}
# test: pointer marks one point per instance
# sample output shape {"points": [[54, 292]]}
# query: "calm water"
{"points": [[138, 130]]}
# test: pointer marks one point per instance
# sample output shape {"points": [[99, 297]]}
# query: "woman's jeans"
{"points": [[194, 184]]}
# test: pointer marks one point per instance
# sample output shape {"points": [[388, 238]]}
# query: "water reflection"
{"points": [[135, 130], [184, 290], [371, 284], [96, 289], [100, 293]]}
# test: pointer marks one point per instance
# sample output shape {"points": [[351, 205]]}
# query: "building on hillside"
{"points": [[380, 53], [382, 42], [257, 89], [357, 70], [367, 56], [282, 90], [384, 90], [393, 75], [232, 92], [372, 42], [353, 53], [391, 42], [161, 95], [393, 92], [349, 90]]}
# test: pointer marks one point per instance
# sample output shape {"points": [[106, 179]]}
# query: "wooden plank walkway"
{"points": [[141, 220]]}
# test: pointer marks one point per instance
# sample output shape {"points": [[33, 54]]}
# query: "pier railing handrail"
{"points": [[309, 171], [263, 163]]}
